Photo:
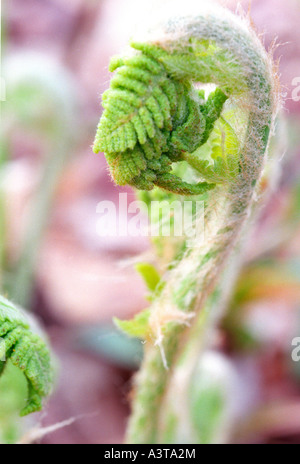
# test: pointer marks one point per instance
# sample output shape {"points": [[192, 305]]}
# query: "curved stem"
{"points": [[174, 423], [239, 64]]}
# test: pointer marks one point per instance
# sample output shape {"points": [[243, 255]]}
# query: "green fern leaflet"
{"points": [[28, 352]]}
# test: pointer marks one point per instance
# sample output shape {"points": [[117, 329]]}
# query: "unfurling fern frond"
{"points": [[27, 351], [154, 116], [151, 120]]}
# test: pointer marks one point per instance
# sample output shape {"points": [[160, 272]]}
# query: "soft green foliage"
{"points": [[28, 352], [137, 327], [150, 275], [151, 120]]}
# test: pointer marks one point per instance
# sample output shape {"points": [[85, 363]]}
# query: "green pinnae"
{"points": [[149, 114]]}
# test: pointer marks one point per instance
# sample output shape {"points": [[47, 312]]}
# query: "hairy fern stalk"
{"points": [[156, 118]]}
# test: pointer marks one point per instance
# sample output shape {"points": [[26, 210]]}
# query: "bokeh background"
{"points": [[55, 56]]}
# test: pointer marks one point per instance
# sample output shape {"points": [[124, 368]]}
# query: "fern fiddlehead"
{"points": [[27, 351], [152, 119], [225, 143]]}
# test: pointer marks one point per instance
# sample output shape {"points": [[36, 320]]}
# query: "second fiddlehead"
{"points": [[28, 352]]}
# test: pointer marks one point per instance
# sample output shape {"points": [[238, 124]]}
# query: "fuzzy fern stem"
{"points": [[211, 46]]}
